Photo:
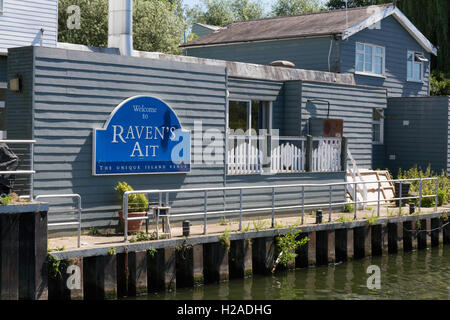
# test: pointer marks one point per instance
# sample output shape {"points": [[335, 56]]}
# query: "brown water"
{"points": [[423, 274]]}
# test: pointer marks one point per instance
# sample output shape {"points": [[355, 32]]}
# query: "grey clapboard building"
{"points": [[377, 44]]}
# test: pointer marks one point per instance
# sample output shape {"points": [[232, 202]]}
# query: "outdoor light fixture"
{"points": [[16, 84], [320, 100]]}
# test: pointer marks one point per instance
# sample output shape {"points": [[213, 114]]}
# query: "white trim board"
{"points": [[401, 18]]}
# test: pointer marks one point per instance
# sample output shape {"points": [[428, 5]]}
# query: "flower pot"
{"points": [[133, 225]]}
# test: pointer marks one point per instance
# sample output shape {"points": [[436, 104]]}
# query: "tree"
{"points": [[158, 25], [223, 12], [340, 4], [293, 7]]}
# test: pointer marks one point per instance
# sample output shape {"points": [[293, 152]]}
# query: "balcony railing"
{"points": [[256, 154]]}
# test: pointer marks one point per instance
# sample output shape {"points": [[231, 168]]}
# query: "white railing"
{"points": [[354, 172], [289, 156], [326, 157], [244, 156]]}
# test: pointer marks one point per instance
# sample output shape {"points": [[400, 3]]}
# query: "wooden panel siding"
{"points": [[3, 69], [76, 91], [22, 20], [416, 133], [310, 53], [254, 89], [397, 41], [354, 105]]}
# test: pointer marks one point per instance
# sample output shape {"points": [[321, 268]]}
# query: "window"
{"points": [[369, 59], [377, 126], [1, 5], [414, 66], [244, 115]]}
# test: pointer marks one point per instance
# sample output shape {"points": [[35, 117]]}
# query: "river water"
{"points": [[423, 274]]}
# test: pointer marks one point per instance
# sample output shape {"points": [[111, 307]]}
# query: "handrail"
{"points": [[79, 209], [330, 204], [30, 172]]}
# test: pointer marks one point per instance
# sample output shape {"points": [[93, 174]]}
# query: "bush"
{"points": [[349, 208], [136, 202], [428, 186]]}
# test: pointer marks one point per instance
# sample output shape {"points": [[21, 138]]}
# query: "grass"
{"points": [[142, 236], [225, 239], [349, 208], [259, 224], [345, 219], [224, 221], [372, 219]]}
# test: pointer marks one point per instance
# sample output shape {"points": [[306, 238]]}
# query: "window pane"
{"points": [[238, 115], [417, 71], [368, 59], [378, 65], [359, 47], [376, 133], [257, 116], [377, 114], [379, 51], [359, 62], [409, 66]]}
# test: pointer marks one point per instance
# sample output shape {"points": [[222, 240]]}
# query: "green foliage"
{"points": [[158, 25], [5, 200], [142, 236], [223, 12], [428, 186], [287, 245], [349, 208], [259, 224], [55, 266], [247, 228], [372, 219], [344, 219], [223, 221], [111, 251], [225, 239], [136, 202], [439, 84], [93, 231], [183, 249], [151, 252], [294, 7]]}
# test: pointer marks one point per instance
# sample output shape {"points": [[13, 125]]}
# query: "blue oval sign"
{"points": [[142, 135]]}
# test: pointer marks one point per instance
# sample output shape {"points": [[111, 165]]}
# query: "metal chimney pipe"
{"points": [[120, 26]]}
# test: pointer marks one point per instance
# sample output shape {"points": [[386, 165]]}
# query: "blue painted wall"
{"points": [[417, 133], [397, 41]]}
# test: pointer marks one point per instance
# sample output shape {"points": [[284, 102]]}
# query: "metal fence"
{"points": [[330, 204]]}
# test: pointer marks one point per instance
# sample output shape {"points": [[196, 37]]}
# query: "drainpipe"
{"points": [[120, 26]]}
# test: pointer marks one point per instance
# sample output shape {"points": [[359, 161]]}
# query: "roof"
{"points": [[323, 23]]}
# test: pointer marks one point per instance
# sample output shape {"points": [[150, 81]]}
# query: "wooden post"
{"points": [[215, 262], [344, 146], [263, 250], [321, 247], [137, 273], [161, 268], [100, 277], [68, 285], [312, 248], [241, 258], [341, 245], [392, 238], [435, 225], [362, 241], [309, 153], [9, 256], [301, 260]]}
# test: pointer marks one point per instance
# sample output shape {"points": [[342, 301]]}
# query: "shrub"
{"points": [[349, 208], [136, 202], [428, 186]]}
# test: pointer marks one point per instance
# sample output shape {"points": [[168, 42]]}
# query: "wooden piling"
{"points": [[100, 277], [422, 234], [301, 260], [446, 231], [67, 284], [241, 258], [161, 268], [215, 262], [435, 224], [9, 256], [362, 241], [312, 248], [392, 229], [137, 273], [341, 245], [263, 251]]}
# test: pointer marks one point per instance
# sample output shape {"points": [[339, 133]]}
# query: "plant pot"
{"points": [[133, 225]]}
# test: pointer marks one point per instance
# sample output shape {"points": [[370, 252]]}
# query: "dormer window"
{"points": [[370, 59], [415, 66]]}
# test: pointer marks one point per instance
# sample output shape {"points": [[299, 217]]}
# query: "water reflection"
{"points": [[421, 274]]}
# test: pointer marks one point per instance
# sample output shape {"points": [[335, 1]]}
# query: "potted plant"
{"points": [[137, 206]]}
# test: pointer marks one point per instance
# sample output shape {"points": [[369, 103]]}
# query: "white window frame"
{"points": [[374, 54], [421, 63], [381, 123]]}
